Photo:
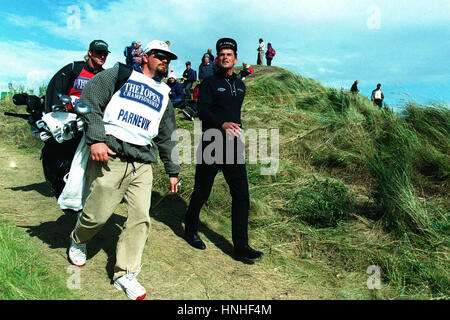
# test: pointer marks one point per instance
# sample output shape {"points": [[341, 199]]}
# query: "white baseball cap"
{"points": [[160, 46]]}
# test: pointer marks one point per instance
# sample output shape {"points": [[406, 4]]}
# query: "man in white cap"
{"points": [[131, 121]]}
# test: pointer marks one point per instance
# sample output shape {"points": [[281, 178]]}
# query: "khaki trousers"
{"points": [[260, 59], [109, 184]]}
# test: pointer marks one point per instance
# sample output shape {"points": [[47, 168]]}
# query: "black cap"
{"points": [[188, 63], [226, 43], [98, 45]]}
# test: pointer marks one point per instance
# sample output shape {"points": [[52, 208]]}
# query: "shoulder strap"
{"points": [[77, 67], [123, 76]]}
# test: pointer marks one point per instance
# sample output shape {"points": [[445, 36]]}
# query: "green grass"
{"points": [[356, 186], [401, 164], [25, 273], [16, 131]]}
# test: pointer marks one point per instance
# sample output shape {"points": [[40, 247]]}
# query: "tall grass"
{"points": [[16, 131], [25, 273], [401, 161], [356, 186]]}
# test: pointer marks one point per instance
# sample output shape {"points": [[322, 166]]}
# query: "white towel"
{"points": [[73, 196]]}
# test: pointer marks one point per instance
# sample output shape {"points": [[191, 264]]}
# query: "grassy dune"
{"points": [[356, 187]]}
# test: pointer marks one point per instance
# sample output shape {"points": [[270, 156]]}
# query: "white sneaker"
{"points": [[131, 286], [77, 254]]}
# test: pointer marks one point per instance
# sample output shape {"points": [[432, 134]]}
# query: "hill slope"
{"points": [[356, 187]]}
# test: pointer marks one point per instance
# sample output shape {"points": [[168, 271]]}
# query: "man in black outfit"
{"points": [[220, 100]]}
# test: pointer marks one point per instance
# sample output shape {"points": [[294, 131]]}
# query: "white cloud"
{"points": [[31, 64], [323, 39]]}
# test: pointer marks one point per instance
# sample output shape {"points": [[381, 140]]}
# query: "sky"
{"points": [[402, 44]]}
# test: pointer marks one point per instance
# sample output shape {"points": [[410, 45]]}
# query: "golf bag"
{"points": [[61, 130]]}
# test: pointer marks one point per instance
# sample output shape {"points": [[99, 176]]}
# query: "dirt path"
{"points": [[171, 269]]}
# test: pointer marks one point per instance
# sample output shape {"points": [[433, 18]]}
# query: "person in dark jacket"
{"points": [[191, 109], [136, 57], [220, 101], [354, 89], [70, 80], [189, 77], [176, 90], [206, 68], [128, 53], [210, 55], [270, 53]]}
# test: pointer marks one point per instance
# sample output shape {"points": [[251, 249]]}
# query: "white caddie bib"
{"points": [[135, 110]]}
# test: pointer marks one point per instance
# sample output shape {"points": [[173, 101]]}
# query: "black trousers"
{"points": [[379, 102], [236, 177]]}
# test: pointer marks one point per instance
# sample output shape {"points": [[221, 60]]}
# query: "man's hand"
{"points": [[232, 128], [173, 185], [100, 152]]}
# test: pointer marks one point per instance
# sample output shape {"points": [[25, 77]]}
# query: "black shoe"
{"points": [[247, 252], [194, 240]]}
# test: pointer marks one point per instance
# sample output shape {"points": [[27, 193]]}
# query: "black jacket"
{"points": [[190, 74], [63, 81], [220, 100]]}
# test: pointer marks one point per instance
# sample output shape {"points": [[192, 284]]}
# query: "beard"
{"points": [[162, 71]]}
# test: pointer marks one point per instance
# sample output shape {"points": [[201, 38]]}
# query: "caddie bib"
{"points": [[136, 109], [78, 85]]}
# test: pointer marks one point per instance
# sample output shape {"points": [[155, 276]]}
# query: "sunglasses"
{"points": [[101, 53], [161, 56]]}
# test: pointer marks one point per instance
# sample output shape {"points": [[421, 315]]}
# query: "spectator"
{"points": [[260, 49], [168, 43], [189, 77], [137, 54], [128, 53], [354, 89], [176, 90], [211, 56], [246, 71], [270, 53], [378, 96], [212, 59], [206, 68], [86, 58], [191, 110]]}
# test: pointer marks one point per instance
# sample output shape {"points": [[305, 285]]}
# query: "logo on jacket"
{"points": [[142, 93], [221, 89], [79, 83]]}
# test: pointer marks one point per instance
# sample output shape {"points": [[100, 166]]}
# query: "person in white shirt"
{"points": [[260, 50], [378, 96]]}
